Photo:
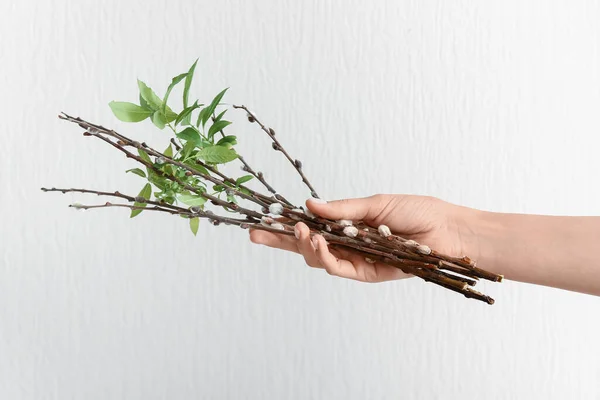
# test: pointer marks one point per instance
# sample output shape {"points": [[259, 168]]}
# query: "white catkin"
{"points": [[309, 213], [369, 260], [277, 225], [328, 228], [368, 240], [411, 243], [350, 231], [266, 221], [424, 249], [276, 209], [384, 231], [345, 222], [78, 206]]}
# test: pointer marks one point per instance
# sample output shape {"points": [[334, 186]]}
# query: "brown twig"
{"points": [[391, 249], [278, 147]]}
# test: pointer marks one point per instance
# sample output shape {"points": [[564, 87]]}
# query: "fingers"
{"points": [[316, 253], [354, 266], [270, 239], [366, 208], [305, 245]]}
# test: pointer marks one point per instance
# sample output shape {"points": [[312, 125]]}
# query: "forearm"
{"points": [[545, 250]]}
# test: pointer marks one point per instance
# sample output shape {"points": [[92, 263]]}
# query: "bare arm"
{"points": [[545, 250]]}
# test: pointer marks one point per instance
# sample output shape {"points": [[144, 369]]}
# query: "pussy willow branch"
{"points": [[192, 189], [260, 199], [278, 147], [258, 175], [395, 250]]}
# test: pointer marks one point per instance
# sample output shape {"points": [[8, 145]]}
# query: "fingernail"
{"points": [[317, 201], [315, 242], [296, 232]]}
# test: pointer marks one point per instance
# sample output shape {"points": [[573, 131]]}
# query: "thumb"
{"points": [[366, 208]]}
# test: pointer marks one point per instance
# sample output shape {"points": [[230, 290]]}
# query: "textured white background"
{"points": [[493, 105]]}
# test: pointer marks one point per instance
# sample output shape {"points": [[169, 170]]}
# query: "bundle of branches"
{"points": [[188, 182]]}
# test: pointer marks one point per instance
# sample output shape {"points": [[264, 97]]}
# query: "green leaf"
{"points": [[159, 120], [218, 118], [137, 171], [146, 192], [186, 114], [243, 179], [218, 188], [217, 154], [152, 100], [144, 156], [168, 152], [232, 199], [208, 111], [192, 200], [195, 166], [188, 82], [174, 82], [170, 115], [227, 141], [190, 135], [144, 103], [129, 112], [187, 149], [203, 112], [217, 126], [194, 223]]}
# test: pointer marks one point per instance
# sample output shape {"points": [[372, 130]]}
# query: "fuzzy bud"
{"points": [[384, 231], [251, 118], [345, 222], [77, 206], [195, 209], [259, 175], [369, 260], [368, 240], [424, 249], [275, 146], [160, 160], [215, 222], [351, 231], [411, 243], [298, 164], [140, 199], [244, 168], [314, 195], [188, 173], [87, 133], [229, 192], [272, 131], [309, 213], [276, 209], [266, 221], [328, 228], [278, 226], [121, 143]]}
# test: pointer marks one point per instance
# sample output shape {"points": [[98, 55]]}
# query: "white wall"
{"points": [[493, 105]]}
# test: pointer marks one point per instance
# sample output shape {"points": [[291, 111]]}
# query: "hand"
{"points": [[427, 220]]}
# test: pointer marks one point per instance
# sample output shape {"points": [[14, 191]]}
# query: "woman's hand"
{"points": [[440, 225]]}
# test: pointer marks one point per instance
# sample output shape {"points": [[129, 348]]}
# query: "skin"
{"points": [[544, 250]]}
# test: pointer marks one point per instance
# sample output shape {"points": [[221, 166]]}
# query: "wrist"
{"points": [[483, 235]]}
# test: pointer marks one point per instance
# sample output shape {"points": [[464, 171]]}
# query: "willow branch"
{"points": [[278, 147]]}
